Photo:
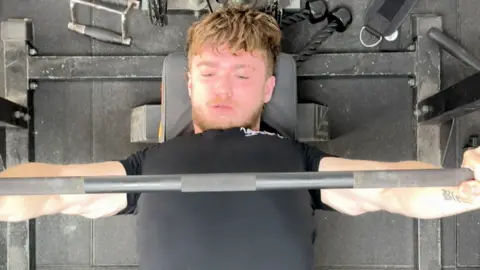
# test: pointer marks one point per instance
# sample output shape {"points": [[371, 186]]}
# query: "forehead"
{"points": [[223, 56]]}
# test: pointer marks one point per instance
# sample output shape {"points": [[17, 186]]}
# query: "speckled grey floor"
{"points": [[79, 122]]}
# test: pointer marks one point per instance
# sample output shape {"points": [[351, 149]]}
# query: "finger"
{"points": [[475, 163], [466, 189], [471, 160], [469, 191]]}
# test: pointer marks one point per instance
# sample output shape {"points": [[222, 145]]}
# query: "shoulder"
{"points": [[133, 163], [312, 155]]}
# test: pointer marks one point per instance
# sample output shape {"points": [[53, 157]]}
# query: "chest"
{"points": [[225, 154]]}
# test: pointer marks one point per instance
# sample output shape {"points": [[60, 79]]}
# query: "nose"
{"points": [[223, 87]]}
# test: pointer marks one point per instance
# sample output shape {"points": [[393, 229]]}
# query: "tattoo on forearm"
{"points": [[449, 195]]}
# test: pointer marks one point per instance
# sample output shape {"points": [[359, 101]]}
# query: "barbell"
{"points": [[233, 182]]}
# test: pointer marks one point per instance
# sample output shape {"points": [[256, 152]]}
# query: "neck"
{"points": [[256, 127]]}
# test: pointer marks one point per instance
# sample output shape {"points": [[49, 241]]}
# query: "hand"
{"points": [[470, 190]]}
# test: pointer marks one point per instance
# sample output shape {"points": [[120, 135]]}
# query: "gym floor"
{"points": [[370, 118]]}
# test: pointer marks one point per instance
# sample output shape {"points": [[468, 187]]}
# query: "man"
{"points": [[232, 54]]}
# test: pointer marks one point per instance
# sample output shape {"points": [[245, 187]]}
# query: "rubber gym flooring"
{"points": [[80, 122]]}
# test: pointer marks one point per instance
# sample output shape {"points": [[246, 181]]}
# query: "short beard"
{"points": [[251, 122]]}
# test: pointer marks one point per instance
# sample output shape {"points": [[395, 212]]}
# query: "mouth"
{"points": [[222, 107]]}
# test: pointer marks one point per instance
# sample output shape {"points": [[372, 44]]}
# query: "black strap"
{"points": [[384, 17]]}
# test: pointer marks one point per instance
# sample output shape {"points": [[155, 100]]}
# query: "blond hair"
{"points": [[240, 28]]}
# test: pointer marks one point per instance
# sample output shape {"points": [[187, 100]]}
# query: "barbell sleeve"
{"points": [[235, 182]]}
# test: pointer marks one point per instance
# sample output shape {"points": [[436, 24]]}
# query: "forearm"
{"points": [[32, 170], [15, 208], [413, 202], [424, 203]]}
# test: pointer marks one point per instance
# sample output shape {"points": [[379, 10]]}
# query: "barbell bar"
{"points": [[232, 182]]}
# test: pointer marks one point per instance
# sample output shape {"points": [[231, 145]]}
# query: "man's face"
{"points": [[228, 90]]}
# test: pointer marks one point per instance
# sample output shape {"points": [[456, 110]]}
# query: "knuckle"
{"points": [[468, 154]]}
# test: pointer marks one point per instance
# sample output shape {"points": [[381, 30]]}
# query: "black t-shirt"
{"points": [[225, 230]]}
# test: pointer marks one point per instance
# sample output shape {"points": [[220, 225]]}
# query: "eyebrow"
{"points": [[213, 64], [239, 66], [206, 63]]}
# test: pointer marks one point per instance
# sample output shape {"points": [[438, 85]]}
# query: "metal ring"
{"points": [[368, 45], [392, 37]]}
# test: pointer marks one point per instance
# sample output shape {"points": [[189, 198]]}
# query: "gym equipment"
{"points": [[473, 142], [315, 11], [338, 21], [451, 46], [2, 165], [384, 17], [235, 182], [13, 115], [100, 33], [458, 99], [180, 6], [158, 10]]}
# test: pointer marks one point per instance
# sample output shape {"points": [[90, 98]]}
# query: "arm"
{"points": [[18, 208], [422, 203]]}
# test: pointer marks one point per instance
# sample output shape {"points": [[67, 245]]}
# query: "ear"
{"points": [[189, 84], [269, 86]]}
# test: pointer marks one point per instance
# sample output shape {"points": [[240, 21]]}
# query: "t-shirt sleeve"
{"points": [[133, 166], [313, 156]]}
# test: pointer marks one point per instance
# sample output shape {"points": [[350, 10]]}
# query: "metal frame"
{"points": [[71, 68], [13, 114], [429, 147], [23, 70], [457, 100], [16, 145]]}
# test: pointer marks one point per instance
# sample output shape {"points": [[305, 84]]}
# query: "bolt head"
{"points": [[33, 85], [426, 109], [17, 114], [417, 112]]}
